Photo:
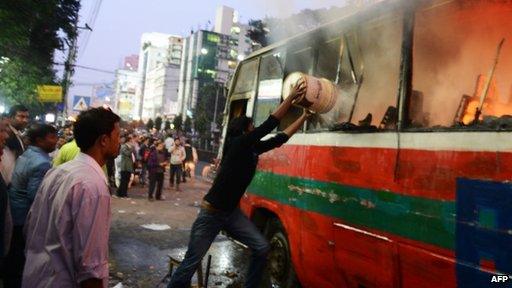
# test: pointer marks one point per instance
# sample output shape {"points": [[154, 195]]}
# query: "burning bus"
{"points": [[405, 181]]}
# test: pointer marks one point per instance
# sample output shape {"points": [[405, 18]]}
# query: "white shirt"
{"points": [[68, 226], [169, 142], [8, 162], [177, 155]]}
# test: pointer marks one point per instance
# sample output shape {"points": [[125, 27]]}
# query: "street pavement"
{"points": [[140, 241]]}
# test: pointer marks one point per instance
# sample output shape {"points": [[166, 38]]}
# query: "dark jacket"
{"points": [[153, 161], [28, 174], [239, 163], [126, 152]]}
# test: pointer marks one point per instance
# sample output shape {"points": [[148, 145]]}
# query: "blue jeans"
{"points": [[206, 227]]}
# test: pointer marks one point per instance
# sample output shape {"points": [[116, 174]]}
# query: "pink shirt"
{"points": [[68, 226]]}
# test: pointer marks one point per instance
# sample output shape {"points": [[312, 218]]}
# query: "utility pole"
{"points": [[216, 102], [68, 70], [69, 66]]}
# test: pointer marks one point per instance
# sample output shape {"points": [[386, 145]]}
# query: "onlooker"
{"points": [[28, 174], [169, 142], [66, 153], [60, 142], [144, 156], [177, 157], [18, 120], [158, 160], [4, 204], [126, 166], [67, 228], [190, 160]]}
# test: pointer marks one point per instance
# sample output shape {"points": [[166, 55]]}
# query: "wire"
{"points": [[91, 22]]}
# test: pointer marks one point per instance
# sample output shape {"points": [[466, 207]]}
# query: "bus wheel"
{"points": [[279, 264]]}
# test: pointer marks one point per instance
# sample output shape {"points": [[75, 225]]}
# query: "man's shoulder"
{"points": [[76, 174]]}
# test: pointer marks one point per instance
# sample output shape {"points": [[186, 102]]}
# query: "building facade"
{"points": [[127, 86], [159, 68], [211, 57]]}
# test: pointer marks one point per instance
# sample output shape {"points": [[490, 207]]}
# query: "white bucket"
{"points": [[320, 96]]}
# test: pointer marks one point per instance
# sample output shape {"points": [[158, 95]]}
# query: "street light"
{"points": [[50, 118]]}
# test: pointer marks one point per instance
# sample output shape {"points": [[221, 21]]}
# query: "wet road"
{"points": [[139, 256]]}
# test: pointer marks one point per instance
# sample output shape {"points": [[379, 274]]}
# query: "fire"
{"points": [[491, 105]]}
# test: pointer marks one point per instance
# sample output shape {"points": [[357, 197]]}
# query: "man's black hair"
{"points": [[39, 130], [17, 108], [238, 126], [92, 124]]}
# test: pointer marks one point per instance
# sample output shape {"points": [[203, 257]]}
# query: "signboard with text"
{"points": [[49, 93]]}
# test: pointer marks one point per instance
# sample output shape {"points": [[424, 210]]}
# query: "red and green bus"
{"points": [[398, 185]]}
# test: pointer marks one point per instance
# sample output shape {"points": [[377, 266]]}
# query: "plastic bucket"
{"points": [[320, 96]]}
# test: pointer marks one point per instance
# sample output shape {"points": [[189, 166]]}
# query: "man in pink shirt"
{"points": [[68, 225]]}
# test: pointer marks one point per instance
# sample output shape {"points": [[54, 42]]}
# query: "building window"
{"points": [[214, 38], [270, 85], [455, 47]]}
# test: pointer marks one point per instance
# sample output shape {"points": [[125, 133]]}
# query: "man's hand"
{"points": [[298, 90], [295, 93], [307, 113]]}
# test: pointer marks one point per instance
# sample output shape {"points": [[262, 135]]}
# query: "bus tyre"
{"points": [[280, 272]]}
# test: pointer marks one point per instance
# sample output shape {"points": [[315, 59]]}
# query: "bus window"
{"points": [[269, 86], [300, 61], [328, 59], [455, 48], [368, 79], [297, 61], [246, 80], [328, 66]]}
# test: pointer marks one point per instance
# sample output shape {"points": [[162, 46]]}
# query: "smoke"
{"points": [[375, 49], [456, 43]]}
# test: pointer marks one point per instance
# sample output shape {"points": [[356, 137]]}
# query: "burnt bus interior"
{"points": [[427, 66]]}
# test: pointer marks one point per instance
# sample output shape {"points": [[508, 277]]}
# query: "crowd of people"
{"points": [[30, 150], [55, 212]]}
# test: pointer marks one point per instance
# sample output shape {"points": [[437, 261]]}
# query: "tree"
{"points": [[177, 122], [258, 32], [205, 109], [158, 123], [269, 30], [150, 124], [31, 32]]}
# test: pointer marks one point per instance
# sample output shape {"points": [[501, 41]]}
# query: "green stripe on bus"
{"points": [[416, 218]]}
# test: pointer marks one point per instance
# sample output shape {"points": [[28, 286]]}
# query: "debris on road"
{"points": [[156, 227]]}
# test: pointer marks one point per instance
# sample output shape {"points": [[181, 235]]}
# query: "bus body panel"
{"points": [[349, 212]]}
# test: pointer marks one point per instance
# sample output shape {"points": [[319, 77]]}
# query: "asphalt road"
{"points": [[139, 255]]}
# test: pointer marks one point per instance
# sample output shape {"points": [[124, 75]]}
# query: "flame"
{"points": [[491, 105]]}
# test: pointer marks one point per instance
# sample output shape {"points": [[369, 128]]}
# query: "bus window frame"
{"points": [[244, 95], [404, 119], [405, 73], [260, 57]]}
